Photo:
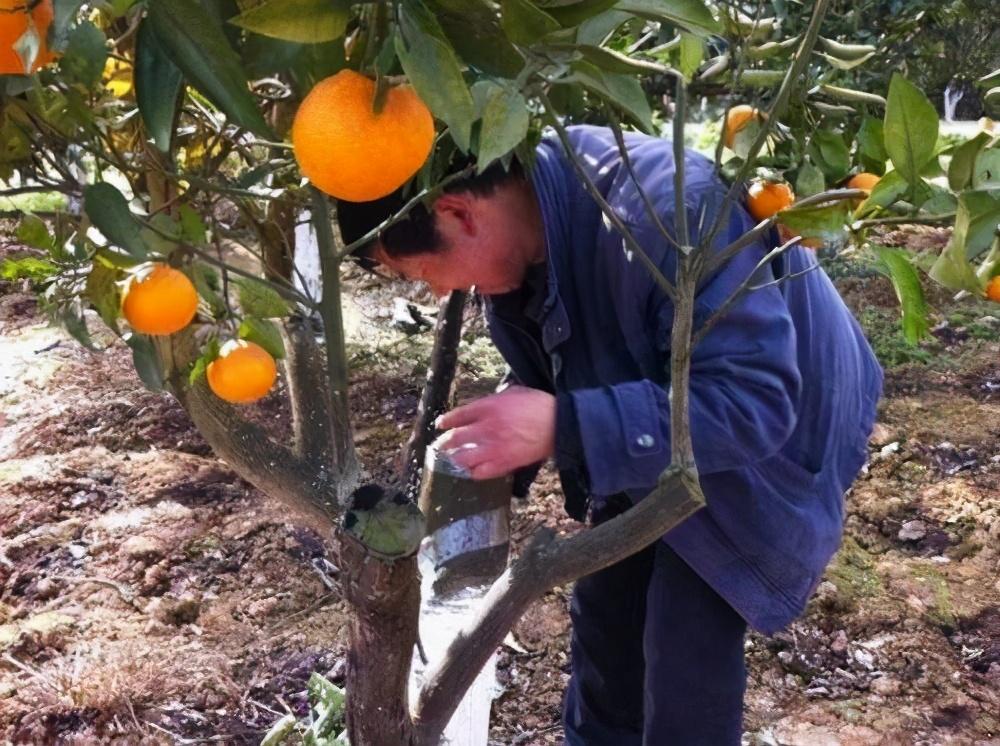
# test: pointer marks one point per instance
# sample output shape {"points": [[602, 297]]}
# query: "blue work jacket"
{"points": [[783, 389]]}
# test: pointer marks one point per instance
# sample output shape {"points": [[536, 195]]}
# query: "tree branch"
{"points": [[744, 287], [609, 213], [798, 67], [248, 449], [751, 236], [336, 353], [437, 388]]}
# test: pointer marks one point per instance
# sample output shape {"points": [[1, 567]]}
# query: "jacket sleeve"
{"points": [[744, 378]]}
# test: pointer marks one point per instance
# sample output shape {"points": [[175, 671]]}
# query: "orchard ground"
{"points": [[148, 593]]}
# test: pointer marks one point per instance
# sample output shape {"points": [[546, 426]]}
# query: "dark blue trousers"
{"points": [[657, 656]]}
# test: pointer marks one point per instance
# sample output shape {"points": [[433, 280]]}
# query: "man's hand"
{"points": [[497, 434]]}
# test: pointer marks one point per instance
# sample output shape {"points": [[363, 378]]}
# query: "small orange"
{"points": [[864, 180], [242, 373], [13, 24], [993, 289], [767, 198], [736, 119], [350, 152], [160, 302]]}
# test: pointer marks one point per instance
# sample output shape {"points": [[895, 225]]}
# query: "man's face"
{"points": [[487, 242]]}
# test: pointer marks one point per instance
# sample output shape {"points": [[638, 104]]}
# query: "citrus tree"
{"points": [[178, 128]]}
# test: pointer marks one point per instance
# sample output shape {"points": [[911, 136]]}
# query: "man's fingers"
{"points": [[459, 436], [464, 415], [472, 455]]}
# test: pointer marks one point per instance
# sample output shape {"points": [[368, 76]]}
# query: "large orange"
{"points": [[767, 198], [242, 373], [348, 150], [13, 24], [736, 119], [160, 302], [993, 289], [864, 180]]}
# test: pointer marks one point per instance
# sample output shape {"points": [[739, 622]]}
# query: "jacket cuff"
{"points": [[625, 435]]}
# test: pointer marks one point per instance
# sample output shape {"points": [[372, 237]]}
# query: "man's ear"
{"points": [[456, 211]]}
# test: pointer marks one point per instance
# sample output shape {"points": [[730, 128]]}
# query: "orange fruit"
{"points": [[767, 198], [242, 373], [350, 152], [736, 119], [160, 302], [864, 180], [993, 289], [13, 24]]}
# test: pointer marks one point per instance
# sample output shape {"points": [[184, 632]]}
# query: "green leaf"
{"points": [[281, 730], [146, 362], [64, 13], [200, 366], [206, 282], [810, 180], [524, 23], [977, 220], [32, 231], [690, 15], [432, 67], [573, 14], [258, 299], [895, 264], [103, 292], [826, 222], [621, 91], [986, 174], [75, 323], [505, 121], [302, 21], [596, 30], [911, 128], [31, 268], [963, 161], [324, 692], [889, 189], [108, 210], [263, 332], [609, 60], [845, 64], [158, 86], [193, 228], [690, 54], [198, 46], [761, 78], [473, 28], [829, 152], [86, 54], [871, 145], [975, 231]]}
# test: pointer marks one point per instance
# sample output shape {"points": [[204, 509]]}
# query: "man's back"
{"points": [[783, 389]]}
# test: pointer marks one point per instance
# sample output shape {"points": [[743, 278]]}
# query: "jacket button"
{"points": [[645, 441]]}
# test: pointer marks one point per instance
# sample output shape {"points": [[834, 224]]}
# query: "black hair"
{"points": [[416, 233]]}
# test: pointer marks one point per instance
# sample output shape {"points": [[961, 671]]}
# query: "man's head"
{"points": [[484, 231]]}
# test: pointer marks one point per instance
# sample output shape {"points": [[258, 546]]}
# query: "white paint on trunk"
{"points": [[441, 618]]}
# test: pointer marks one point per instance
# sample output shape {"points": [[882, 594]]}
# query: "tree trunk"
{"points": [[437, 388], [384, 595]]}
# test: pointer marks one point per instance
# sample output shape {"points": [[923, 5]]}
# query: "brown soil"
{"points": [[148, 595]]}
